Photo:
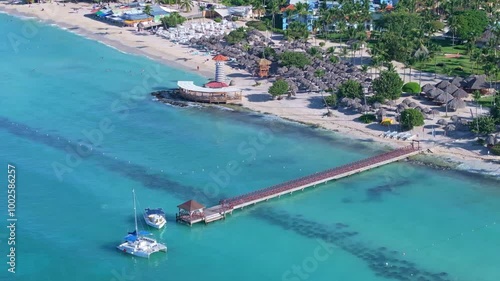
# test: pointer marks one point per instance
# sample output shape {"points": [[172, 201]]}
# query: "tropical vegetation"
{"points": [[411, 118]]}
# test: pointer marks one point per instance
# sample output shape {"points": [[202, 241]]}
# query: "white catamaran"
{"points": [[137, 244]]}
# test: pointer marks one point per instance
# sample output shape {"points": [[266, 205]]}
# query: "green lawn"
{"points": [[486, 101], [451, 66]]}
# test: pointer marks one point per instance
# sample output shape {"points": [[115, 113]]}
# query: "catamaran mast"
{"points": [[135, 215]]}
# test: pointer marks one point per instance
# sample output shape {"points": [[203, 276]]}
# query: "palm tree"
{"points": [[147, 10], [274, 8], [421, 55], [202, 10], [257, 5], [187, 5]]}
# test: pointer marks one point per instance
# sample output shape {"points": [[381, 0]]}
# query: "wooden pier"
{"points": [[190, 215]]}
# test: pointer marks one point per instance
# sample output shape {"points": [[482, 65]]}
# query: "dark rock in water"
{"points": [[170, 97]]}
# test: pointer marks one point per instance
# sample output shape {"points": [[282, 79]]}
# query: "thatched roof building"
{"points": [[456, 104]]}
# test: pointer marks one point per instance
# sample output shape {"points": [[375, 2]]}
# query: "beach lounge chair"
{"points": [[403, 136], [392, 134], [410, 137], [386, 133]]}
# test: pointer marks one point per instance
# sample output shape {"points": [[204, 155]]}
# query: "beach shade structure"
{"points": [[356, 105], [390, 103], [357, 100], [476, 82], [402, 106], [406, 101], [456, 104], [364, 108], [419, 108], [450, 89], [345, 101], [491, 140], [442, 122], [412, 104], [457, 81], [443, 84], [219, 70], [191, 207], [387, 121], [427, 87], [434, 112], [433, 93], [443, 98], [454, 118], [381, 112], [377, 105], [426, 110], [460, 93], [264, 66]]}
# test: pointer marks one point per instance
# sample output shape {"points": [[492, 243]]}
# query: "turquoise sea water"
{"points": [[62, 93]]}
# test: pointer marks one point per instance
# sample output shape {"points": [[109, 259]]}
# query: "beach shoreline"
{"points": [[304, 108]]}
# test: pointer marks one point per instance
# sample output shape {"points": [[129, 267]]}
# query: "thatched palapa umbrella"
{"points": [[381, 112], [450, 89], [442, 122], [365, 108], [443, 84], [427, 87], [433, 93], [460, 93], [456, 104], [457, 81], [390, 103], [406, 101], [491, 140], [412, 104], [443, 98]]}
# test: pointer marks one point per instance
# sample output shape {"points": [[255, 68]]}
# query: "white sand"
{"points": [[306, 108]]}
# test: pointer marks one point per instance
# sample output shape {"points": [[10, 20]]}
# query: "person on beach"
{"points": [[198, 67]]}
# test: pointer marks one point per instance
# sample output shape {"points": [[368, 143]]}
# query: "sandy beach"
{"points": [[305, 107]]}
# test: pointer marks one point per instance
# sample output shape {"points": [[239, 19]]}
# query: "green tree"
{"points": [[147, 10], [476, 95], [388, 85], [411, 118], [495, 109], [279, 88], [331, 100], [482, 125], [296, 31], [401, 35], [470, 24], [350, 89], [172, 20], [187, 5], [496, 149], [297, 59], [236, 36]]}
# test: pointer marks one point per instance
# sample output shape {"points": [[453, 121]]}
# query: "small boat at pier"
{"points": [[155, 217], [138, 243]]}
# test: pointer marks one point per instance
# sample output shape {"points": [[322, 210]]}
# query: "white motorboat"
{"points": [[138, 244], [155, 217]]}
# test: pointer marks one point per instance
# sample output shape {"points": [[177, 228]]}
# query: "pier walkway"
{"points": [[239, 202]]}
